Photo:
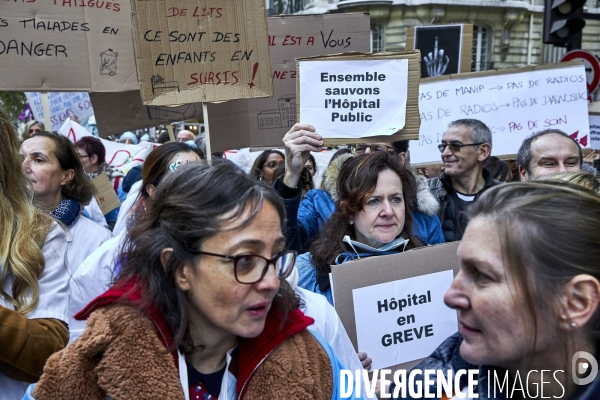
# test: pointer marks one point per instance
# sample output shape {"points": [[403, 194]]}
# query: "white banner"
{"points": [[595, 131], [63, 105], [354, 98], [403, 320], [512, 105]]}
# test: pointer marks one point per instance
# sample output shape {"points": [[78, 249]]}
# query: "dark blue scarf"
{"points": [[67, 211]]}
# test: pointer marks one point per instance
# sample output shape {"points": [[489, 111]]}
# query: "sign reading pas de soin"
{"points": [[201, 50], [357, 98]]}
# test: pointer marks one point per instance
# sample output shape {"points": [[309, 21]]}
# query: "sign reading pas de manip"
{"points": [[354, 98]]}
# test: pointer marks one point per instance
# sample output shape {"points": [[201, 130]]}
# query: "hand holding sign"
{"points": [[299, 142]]}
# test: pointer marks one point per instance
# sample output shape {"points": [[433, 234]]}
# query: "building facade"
{"points": [[507, 33]]}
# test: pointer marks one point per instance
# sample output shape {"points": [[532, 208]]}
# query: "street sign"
{"points": [[592, 67]]}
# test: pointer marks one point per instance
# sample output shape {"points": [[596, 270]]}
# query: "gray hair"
{"points": [[524, 155], [480, 133]]}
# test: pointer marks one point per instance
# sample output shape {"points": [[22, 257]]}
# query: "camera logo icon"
{"points": [[580, 367]]}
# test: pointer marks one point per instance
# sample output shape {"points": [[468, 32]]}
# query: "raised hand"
{"points": [[436, 62], [299, 142]]}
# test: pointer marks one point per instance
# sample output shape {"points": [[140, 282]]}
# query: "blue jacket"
{"points": [[317, 206], [307, 277]]}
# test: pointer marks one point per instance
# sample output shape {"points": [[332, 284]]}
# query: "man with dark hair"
{"points": [[465, 146], [546, 152], [163, 137]]}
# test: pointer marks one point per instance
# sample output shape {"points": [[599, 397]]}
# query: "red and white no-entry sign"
{"points": [[592, 67]]}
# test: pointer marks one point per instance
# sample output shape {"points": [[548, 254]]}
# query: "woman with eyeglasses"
{"points": [[200, 308], [266, 164]]}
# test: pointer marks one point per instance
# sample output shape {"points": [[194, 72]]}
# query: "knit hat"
{"points": [[128, 135]]}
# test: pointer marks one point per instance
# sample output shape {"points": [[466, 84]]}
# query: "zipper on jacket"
{"points": [[254, 370]]}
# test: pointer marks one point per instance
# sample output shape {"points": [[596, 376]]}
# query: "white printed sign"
{"points": [[403, 320], [119, 155], [512, 105], [595, 131], [63, 105], [354, 98]]}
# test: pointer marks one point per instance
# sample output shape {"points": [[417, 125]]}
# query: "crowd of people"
{"points": [[209, 282]]}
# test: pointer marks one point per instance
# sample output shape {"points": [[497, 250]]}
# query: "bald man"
{"points": [[185, 135]]}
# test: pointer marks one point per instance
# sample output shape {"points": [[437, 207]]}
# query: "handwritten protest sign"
{"points": [[512, 103], [119, 155], [63, 105], [408, 288], [408, 320], [201, 50], [445, 49], [119, 112], [358, 97], [70, 45], [594, 109], [263, 122], [105, 194]]}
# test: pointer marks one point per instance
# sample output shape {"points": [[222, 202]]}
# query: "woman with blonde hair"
{"points": [[527, 294], [581, 178], [31, 129], [33, 280]]}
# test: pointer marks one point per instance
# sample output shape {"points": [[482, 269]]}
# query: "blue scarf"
{"points": [[67, 212], [394, 247]]}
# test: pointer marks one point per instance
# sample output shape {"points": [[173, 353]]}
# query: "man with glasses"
{"points": [[465, 146]]}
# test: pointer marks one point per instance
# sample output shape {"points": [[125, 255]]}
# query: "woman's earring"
{"points": [[574, 325], [351, 222]]}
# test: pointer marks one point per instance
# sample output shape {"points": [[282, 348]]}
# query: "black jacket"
{"points": [[447, 357], [442, 190]]}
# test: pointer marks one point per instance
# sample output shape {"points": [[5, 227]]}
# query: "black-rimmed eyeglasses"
{"points": [[252, 268], [455, 147], [375, 147]]}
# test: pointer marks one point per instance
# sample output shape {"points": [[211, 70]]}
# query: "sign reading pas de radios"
{"points": [[360, 97]]}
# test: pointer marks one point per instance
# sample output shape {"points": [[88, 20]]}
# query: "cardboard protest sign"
{"points": [[353, 98], [119, 112], [105, 194], [119, 155], [392, 306], [513, 103], [63, 105], [445, 49], [190, 51], [260, 123], [594, 110], [67, 45]]}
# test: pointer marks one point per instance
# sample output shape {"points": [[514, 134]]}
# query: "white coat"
{"points": [[53, 298]]}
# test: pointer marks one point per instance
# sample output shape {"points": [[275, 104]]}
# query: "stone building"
{"points": [[507, 33]]}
